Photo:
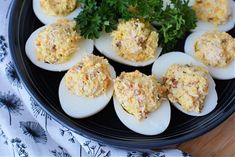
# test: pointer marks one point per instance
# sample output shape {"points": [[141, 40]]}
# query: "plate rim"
{"points": [[14, 38]]}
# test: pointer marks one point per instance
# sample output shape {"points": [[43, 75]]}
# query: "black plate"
{"points": [[105, 126]]}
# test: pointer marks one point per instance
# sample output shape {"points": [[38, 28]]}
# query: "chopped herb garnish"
{"points": [[172, 22]]}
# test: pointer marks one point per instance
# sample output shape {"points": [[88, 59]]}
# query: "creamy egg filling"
{"points": [[135, 40], [58, 7], [90, 77], [215, 48], [138, 93], [213, 11], [187, 85], [57, 42]]}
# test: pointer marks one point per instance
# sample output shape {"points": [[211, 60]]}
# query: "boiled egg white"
{"points": [[85, 46], [156, 122], [204, 26], [104, 45], [161, 66], [48, 19], [218, 73], [82, 107]]}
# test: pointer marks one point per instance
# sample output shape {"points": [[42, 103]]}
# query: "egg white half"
{"points": [[218, 73], [204, 26], [82, 107], [104, 45], [48, 19], [154, 124], [85, 46], [161, 66]]}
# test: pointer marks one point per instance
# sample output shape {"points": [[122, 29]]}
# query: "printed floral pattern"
{"points": [[186, 154], [3, 135], [3, 48], [19, 147], [96, 150], [60, 153], [37, 110], [12, 75], [145, 154], [67, 131], [35, 131], [11, 103]]}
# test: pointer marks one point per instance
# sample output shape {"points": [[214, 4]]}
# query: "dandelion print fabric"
{"points": [[26, 130]]}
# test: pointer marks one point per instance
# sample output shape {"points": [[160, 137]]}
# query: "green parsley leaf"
{"points": [[103, 15]]}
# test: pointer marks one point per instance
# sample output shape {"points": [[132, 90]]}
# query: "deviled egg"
{"points": [[190, 87], [134, 43], [216, 50], [139, 103], [58, 46], [214, 14], [49, 11], [87, 87]]}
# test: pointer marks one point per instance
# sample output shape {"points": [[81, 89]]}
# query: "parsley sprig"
{"points": [[172, 22]]}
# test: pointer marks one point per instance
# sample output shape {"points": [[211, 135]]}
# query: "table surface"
{"points": [[219, 142]]}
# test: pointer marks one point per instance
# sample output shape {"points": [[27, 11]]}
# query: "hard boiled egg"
{"points": [[161, 66], [85, 46], [135, 42], [48, 19], [80, 106], [223, 73], [154, 124], [203, 26], [140, 104], [104, 45]]}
